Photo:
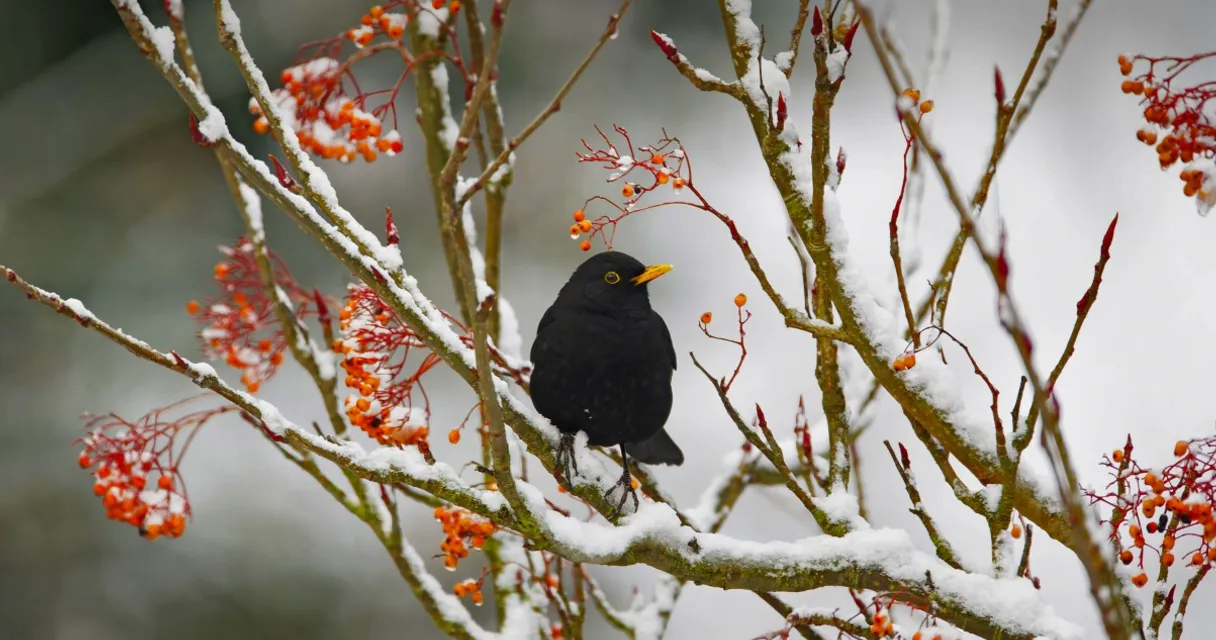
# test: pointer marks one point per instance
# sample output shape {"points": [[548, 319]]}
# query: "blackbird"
{"points": [[602, 363]]}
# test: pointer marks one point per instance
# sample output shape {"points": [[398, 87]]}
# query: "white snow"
{"points": [[78, 308], [163, 38], [836, 62]]}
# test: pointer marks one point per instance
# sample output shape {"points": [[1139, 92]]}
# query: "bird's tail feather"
{"points": [[659, 449]]}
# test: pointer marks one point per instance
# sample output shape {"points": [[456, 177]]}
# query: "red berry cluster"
{"points": [[240, 325], [326, 121], [462, 530], [376, 346], [1180, 120], [1160, 509], [125, 456], [663, 162]]}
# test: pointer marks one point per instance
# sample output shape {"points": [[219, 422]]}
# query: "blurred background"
{"points": [[103, 197]]}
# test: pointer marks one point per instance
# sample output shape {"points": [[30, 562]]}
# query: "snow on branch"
{"points": [[881, 560]]}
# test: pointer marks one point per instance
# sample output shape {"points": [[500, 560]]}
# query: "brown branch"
{"points": [[804, 12], [1083, 306], [554, 106], [775, 456], [918, 509], [1104, 584]]}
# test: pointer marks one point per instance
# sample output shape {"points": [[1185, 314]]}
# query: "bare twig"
{"points": [[554, 106]]}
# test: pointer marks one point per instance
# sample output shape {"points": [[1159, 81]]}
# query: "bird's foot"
{"points": [[625, 484], [565, 467]]}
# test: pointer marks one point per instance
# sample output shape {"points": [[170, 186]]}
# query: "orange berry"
{"points": [[926, 106], [1125, 556], [139, 482], [375, 11], [657, 158], [192, 307], [740, 300], [1212, 554], [261, 125], [707, 317], [1016, 531], [899, 364], [164, 482], [910, 360], [662, 178], [1150, 479], [477, 542], [678, 183], [221, 270], [579, 216], [1167, 559], [437, 4], [1117, 455], [552, 581], [84, 460], [1167, 543], [585, 246], [584, 226], [1197, 558], [911, 94], [1134, 531], [454, 436], [1181, 448], [478, 598], [1140, 580], [574, 231], [627, 191], [99, 488]]}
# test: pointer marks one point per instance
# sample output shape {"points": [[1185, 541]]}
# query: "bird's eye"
{"points": [[611, 277]]}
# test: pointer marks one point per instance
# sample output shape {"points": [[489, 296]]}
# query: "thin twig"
{"points": [[554, 106]]}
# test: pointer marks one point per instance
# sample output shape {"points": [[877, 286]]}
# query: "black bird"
{"points": [[602, 363]]}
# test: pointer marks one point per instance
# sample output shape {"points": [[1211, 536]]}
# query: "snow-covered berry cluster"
{"points": [[135, 467]]}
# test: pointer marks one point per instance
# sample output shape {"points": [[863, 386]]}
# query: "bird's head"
{"points": [[611, 282]]}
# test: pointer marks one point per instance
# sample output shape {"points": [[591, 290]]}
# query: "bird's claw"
{"points": [[565, 466], [627, 491]]}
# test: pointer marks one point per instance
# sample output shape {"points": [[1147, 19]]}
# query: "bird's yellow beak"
{"points": [[651, 272]]}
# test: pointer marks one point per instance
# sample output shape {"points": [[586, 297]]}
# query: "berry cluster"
{"points": [[240, 325], [1179, 120], [125, 456], [904, 362], [377, 21], [327, 122], [882, 625], [1175, 503], [376, 347], [462, 530], [471, 588], [663, 163]]}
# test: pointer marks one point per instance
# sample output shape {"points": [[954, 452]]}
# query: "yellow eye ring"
{"points": [[611, 277]]}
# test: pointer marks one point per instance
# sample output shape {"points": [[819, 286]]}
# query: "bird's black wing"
{"points": [[545, 320], [671, 347]]}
